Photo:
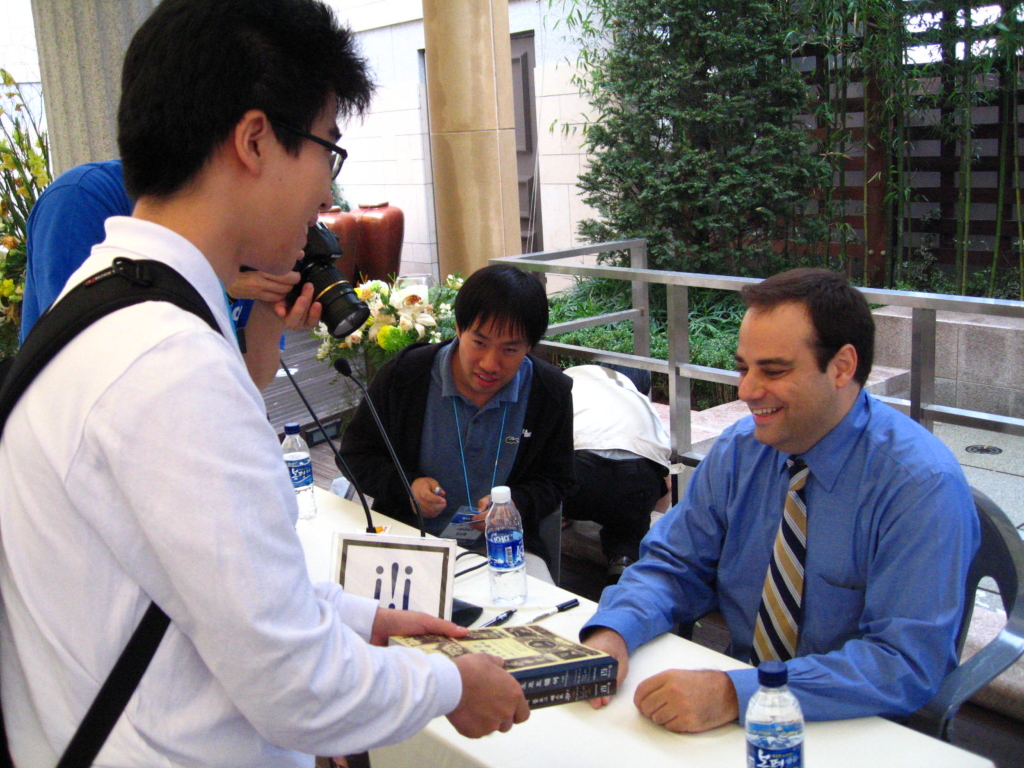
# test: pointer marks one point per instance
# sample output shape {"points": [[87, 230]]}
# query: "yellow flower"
{"points": [[391, 338], [7, 288], [10, 242]]}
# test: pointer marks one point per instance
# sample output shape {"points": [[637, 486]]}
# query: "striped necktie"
{"points": [[778, 618]]}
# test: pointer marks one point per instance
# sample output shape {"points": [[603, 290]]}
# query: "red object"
{"points": [[371, 240]]}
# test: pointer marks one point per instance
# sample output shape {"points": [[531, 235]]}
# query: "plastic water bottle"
{"points": [[506, 553], [774, 722], [296, 456]]}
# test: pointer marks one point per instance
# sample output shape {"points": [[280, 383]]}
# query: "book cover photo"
{"points": [[551, 669]]}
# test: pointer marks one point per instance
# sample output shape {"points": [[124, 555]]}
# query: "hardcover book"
{"points": [[551, 669]]}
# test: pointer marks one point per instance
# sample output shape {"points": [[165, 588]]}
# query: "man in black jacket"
{"points": [[473, 413]]}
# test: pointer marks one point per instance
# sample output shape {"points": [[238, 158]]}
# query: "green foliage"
{"points": [[714, 324], [24, 172], [694, 144]]}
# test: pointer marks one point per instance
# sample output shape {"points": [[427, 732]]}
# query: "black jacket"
{"points": [[541, 476]]}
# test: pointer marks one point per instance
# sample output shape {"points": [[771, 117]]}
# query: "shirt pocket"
{"points": [[834, 610]]}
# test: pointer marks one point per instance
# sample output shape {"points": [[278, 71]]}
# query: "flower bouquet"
{"points": [[24, 172], [399, 316]]}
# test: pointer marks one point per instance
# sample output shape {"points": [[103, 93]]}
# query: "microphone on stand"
{"points": [[370, 527], [341, 366]]}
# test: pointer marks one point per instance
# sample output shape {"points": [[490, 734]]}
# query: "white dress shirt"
{"points": [[140, 466], [612, 418]]}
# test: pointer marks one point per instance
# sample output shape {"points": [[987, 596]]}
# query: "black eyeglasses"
{"points": [[337, 159]]}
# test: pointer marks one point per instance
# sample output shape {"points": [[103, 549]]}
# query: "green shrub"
{"points": [[694, 144], [714, 323]]}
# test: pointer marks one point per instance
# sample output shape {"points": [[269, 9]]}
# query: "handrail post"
{"points": [[922, 365], [641, 301], [678, 330]]}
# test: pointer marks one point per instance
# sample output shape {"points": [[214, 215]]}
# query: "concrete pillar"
{"points": [[81, 48], [472, 132]]}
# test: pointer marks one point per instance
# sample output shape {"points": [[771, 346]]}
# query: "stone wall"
{"points": [[978, 358]]}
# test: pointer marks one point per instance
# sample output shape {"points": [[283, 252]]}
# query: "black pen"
{"points": [[557, 609], [501, 618]]}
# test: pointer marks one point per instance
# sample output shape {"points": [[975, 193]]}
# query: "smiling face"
{"points": [[486, 359], [794, 402]]}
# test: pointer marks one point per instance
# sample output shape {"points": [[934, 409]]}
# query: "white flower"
{"points": [[373, 291], [408, 297], [324, 350]]}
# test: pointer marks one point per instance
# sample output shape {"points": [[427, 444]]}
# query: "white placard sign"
{"points": [[407, 572]]}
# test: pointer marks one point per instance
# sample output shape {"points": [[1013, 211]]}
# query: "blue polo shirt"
{"points": [[489, 436]]}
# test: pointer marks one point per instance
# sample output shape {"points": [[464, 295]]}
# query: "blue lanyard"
{"points": [[462, 450]]}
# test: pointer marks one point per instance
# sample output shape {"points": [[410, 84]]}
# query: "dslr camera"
{"points": [[343, 311]]}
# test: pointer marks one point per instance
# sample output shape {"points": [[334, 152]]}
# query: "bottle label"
{"points": [[505, 549], [762, 757], [301, 471]]}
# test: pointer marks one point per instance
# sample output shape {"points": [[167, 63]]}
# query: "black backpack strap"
{"points": [[125, 283], [116, 691]]}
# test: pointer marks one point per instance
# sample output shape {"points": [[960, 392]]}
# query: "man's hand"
{"points": [[477, 523], [492, 700], [611, 642], [687, 701], [303, 314], [390, 622], [430, 495], [262, 287]]}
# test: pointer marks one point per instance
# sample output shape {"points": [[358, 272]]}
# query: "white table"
{"points": [[618, 735]]}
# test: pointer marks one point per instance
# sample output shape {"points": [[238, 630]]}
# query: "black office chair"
{"points": [[1001, 556], [551, 535]]}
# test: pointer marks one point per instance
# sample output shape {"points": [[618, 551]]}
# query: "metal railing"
{"points": [[680, 370]]}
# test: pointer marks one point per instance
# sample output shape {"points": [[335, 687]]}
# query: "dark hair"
{"points": [[195, 67], [513, 300], [839, 313]]}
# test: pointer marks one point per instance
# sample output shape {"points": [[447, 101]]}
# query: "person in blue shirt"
{"points": [[891, 528], [68, 220], [63, 226]]}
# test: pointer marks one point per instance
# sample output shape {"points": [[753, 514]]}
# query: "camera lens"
{"points": [[343, 311]]}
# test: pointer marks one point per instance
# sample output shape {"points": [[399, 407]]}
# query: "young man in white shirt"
{"points": [[139, 466]]}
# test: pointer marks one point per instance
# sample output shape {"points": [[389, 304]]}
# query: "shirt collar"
{"points": [[507, 394], [147, 240], [828, 456]]}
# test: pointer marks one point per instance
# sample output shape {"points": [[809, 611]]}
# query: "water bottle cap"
{"points": [[772, 674], [291, 428], [501, 494]]}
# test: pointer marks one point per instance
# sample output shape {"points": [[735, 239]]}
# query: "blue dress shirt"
{"points": [[891, 533]]}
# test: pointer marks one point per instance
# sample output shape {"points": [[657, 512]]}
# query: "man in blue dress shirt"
{"points": [[891, 528]]}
